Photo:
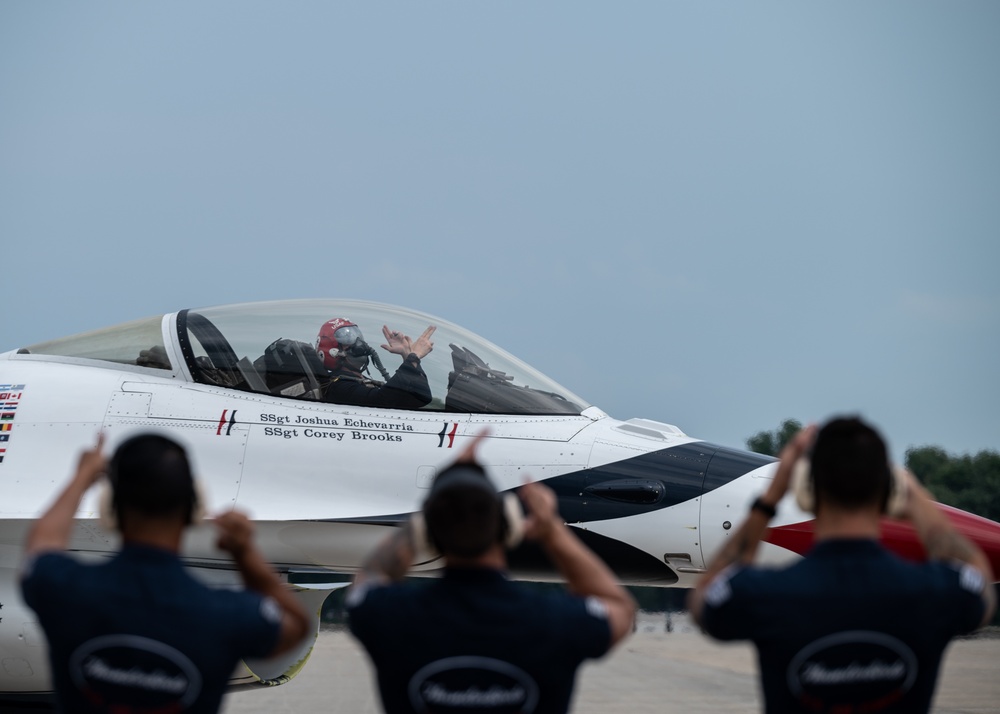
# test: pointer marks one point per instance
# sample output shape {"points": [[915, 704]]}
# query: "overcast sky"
{"points": [[716, 215]]}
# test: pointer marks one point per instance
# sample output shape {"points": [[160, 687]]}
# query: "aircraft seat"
{"points": [[292, 369]]}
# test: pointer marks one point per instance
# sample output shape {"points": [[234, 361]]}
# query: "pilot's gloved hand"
{"points": [[400, 344], [155, 356]]}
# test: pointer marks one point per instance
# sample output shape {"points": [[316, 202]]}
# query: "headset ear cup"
{"points": [[513, 516], [107, 518], [898, 493], [802, 486], [421, 540]]}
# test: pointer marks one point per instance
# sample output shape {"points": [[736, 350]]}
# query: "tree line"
{"points": [[970, 482]]}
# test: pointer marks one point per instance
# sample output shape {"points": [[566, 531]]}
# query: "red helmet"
{"points": [[334, 337]]}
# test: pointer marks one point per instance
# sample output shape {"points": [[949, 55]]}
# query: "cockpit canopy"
{"points": [[270, 348]]}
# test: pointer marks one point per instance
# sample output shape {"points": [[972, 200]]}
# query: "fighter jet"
{"points": [[328, 441]]}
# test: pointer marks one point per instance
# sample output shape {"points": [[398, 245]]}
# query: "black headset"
{"points": [[511, 514]]}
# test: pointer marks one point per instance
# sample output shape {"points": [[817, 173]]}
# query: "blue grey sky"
{"points": [[718, 215]]}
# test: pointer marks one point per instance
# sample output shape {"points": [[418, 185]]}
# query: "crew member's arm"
{"points": [[236, 537], [53, 529], [390, 560], [943, 542], [585, 573], [742, 546]]}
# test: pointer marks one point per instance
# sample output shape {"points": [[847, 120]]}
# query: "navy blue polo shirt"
{"points": [[474, 641], [138, 634], [849, 628]]}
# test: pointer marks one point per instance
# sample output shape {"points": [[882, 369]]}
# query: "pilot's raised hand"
{"points": [[400, 344], [396, 342], [423, 346]]}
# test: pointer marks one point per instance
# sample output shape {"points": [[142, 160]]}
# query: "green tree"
{"points": [[969, 482], [772, 442]]}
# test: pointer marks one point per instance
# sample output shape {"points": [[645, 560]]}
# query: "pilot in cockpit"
{"points": [[345, 353]]}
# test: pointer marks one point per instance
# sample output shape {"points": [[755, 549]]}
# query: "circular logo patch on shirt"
{"points": [[854, 668], [134, 672], [472, 684]]}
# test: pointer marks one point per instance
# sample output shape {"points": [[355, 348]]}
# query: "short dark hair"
{"points": [[850, 464], [151, 477], [463, 512]]}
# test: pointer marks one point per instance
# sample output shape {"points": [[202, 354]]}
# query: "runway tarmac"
{"points": [[652, 671]]}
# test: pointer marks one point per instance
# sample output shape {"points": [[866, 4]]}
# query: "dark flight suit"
{"points": [[406, 389]]}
